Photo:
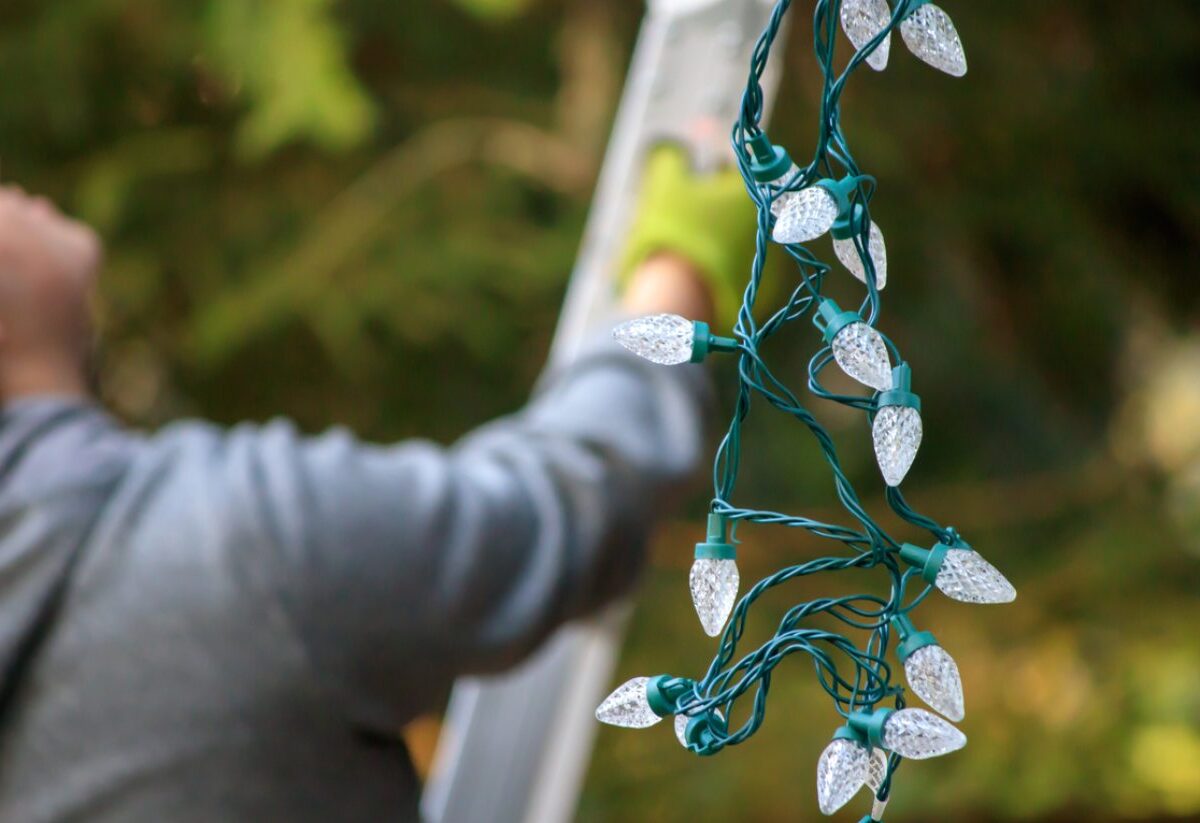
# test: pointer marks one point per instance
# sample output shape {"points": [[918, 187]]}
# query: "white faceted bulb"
{"points": [[841, 772], [714, 585], [666, 339], [804, 215], [628, 706], [782, 202], [929, 33], [967, 577], [877, 770], [784, 197], [847, 252], [862, 354], [681, 724], [920, 735], [897, 433], [862, 20], [933, 676]]}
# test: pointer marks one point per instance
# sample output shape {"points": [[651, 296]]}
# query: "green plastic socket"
{"points": [[704, 341], [717, 545], [830, 319], [702, 732], [663, 693], [911, 640], [852, 218], [848, 732], [901, 393], [929, 561], [770, 162], [869, 725]]}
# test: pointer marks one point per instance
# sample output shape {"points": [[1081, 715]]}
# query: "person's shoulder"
{"points": [[51, 445]]}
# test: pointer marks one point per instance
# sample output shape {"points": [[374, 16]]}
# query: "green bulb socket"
{"points": [[842, 192], [770, 162], [663, 693], [830, 319], [929, 561], [704, 341], [848, 733], [702, 732], [869, 725], [901, 393], [850, 223], [717, 546], [911, 640]]}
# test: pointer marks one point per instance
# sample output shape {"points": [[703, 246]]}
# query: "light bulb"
{"points": [[859, 350], [877, 770], [929, 34], [967, 577], [897, 435], [920, 735], [714, 578], [681, 726], [781, 196], [804, 215], [960, 573], [933, 676], [841, 772], [779, 189], [861, 353], [863, 20], [666, 339], [628, 706], [932, 673], [847, 252], [714, 584], [896, 430]]}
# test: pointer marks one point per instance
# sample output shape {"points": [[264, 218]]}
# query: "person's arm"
{"points": [[403, 567]]}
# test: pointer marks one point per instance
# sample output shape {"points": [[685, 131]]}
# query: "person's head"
{"points": [[48, 266]]}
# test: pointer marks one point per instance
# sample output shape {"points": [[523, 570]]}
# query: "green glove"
{"points": [[708, 219]]}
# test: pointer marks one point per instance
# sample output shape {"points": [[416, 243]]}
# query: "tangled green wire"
{"points": [[871, 683], [795, 205]]}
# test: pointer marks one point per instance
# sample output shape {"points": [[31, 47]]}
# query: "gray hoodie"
{"points": [[233, 625]]}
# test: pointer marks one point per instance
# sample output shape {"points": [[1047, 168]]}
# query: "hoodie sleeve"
{"points": [[403, 567]]}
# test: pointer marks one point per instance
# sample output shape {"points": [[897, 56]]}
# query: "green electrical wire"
{"points": [[857, 679]]}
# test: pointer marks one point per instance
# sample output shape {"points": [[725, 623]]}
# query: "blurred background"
{"points": [[364, 212]]}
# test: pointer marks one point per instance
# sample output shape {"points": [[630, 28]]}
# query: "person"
{"points": [[233, 625]]}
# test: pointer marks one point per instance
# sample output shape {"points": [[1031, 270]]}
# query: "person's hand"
{"points": [[35, 235], [666, 283], [690, 225], [48, 266]]}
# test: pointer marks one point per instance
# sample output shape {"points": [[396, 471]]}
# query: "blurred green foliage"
{"points": [[495, 8], [289, 61], [358, 212], [364, 212]]}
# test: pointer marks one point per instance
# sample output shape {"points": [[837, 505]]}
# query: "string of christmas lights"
{"points": [[797, 206]]}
